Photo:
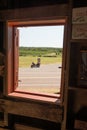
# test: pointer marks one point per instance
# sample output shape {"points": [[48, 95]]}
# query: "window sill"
{"points": [[53, 100]]}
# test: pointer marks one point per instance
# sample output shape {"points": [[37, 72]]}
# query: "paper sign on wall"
{"points": [[79, 31], [79, 15]]}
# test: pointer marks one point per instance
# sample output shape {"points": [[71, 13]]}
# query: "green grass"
{"points": [[25, 61], [27, 55], [39, 51]]}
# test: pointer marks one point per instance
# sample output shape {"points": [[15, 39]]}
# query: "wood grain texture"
{"points": [[35, 12], [23, 127], [44, 111]]}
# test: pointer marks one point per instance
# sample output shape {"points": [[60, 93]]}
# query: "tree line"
{"points": [[40, 51]]}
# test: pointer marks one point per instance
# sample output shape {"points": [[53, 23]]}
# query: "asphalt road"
{"points": [[46, 78]]}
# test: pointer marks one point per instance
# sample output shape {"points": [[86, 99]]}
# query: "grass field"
{"points": [[25, 61], [49, 57]]}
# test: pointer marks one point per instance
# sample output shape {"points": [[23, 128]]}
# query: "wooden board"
{"points": [[23, 127], [33, 109]]}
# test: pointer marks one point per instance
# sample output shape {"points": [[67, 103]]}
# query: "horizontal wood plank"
{"points": [[23, 127], [35, 12], [44, 111]]}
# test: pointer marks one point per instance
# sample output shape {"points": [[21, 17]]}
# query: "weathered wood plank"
{"points": [[23, 127], [1, 123], [44, 111], [35, 12], [4, 129]]}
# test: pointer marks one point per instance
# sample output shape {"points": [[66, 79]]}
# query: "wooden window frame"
{"points": [[10, 57]]}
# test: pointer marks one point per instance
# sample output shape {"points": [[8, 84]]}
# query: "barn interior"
{"points": [[31, 111]]}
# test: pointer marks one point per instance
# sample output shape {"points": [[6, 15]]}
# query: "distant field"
{"points": [[25, 61], [39, 51], [47, 55]]}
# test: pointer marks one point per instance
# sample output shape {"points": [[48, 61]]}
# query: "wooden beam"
{"points": [[35, 12], [33, 109]]}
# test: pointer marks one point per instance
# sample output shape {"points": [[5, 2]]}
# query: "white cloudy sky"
{"points": [[41, 36]]}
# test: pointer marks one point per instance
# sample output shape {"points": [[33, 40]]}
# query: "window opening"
{"points": [[37, 52], [40, 59]]}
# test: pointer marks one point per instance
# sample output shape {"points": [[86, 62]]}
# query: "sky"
{"points": [[41, 36]]}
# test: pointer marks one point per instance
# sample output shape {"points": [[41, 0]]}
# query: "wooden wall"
{"points": [[17, 113]]}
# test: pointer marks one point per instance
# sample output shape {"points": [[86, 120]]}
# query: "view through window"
{"points": [[40, 59]]}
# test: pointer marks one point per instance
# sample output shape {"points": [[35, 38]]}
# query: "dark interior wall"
{"points": [[33, 122], [41, 115], [26, 3], [11, 4], [1, 36], [80, 3], [76, 98], [77, 94], [1, 50]]}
